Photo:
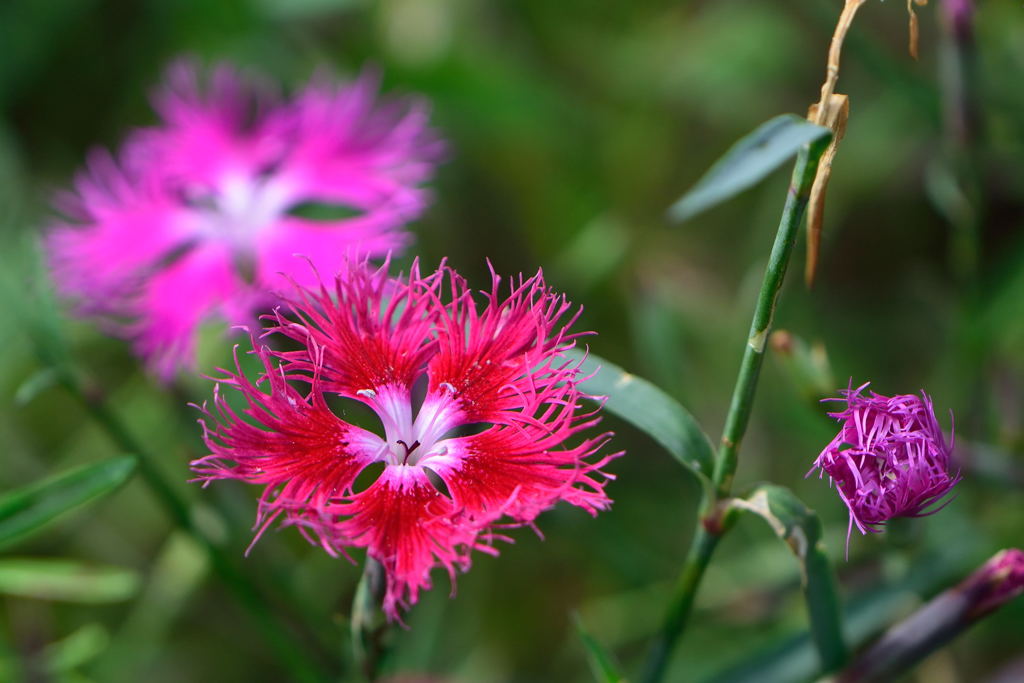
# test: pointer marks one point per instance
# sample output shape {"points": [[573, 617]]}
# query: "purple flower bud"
{"points": [[959, 15], [889, 458], [997, 582], [941, 620]]}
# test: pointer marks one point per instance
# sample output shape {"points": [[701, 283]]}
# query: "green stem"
{"points": [[709, 529], [764, 313], [701, 549], [291, 652], [369, 627]]}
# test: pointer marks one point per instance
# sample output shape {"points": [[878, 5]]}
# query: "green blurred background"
{"points": [[572, 126]]}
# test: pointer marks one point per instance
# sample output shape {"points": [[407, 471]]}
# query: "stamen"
{"points": [[408, 449]]}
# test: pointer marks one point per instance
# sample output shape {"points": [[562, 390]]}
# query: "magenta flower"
{"points": [[195, 216], [889, 458], [488, 440]]}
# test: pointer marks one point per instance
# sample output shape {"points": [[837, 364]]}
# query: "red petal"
{"points": [[408, 526], [506, 358], [294, 445], [374, 333], [516, 471]]}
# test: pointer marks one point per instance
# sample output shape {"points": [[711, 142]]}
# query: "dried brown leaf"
{"points": [[914, 32], [835, 116]]}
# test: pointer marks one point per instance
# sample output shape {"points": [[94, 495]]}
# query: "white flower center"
{"points": [[408, 441], [241, 207]]}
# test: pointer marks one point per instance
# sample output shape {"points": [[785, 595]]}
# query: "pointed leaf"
{"points": [[650, 410], [748, 161], [75, 650], [36, 384], [799, 526], [601, 663], [67, 580], [26, 510]]}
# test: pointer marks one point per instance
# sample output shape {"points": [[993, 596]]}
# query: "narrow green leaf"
{"points": [[66, 580], [748, 161], [76, 649], [650, 410], [26, 510], [799, 526], [601, 663], [36, 384]]}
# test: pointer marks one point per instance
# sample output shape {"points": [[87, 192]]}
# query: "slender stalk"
{"points": [[288, 649], [709, 529], [835, 51], [701, 549], [764, 312], [369, 627]]}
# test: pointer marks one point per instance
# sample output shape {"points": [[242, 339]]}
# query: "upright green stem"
{"points": [[701, 548], [709, 528], [369, 626], [764, 313], [288, 649]]}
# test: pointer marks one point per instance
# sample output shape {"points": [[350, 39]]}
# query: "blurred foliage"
{"points": [[572, 128]]}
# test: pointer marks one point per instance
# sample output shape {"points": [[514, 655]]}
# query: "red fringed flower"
{"points": [[490, 438]]}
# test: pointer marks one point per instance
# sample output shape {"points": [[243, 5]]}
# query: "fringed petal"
{"points": [[174, 301], [502, 364], [409, 527], [520, 471], [375, 331], [291, 444], [352, 149]]}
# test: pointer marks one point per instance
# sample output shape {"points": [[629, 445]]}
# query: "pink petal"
{"points": [[121, 229], [227, 124], [177, 299], [352, 149], [319, 243]]}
